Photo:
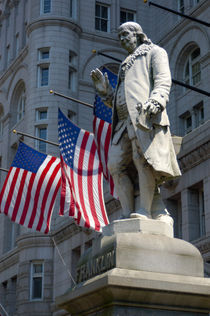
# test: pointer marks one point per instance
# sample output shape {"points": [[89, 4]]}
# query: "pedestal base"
{"points": [[128, 292], [137, 268]]}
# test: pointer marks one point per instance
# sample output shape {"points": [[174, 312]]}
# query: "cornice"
{"points": [[53, 20], [195, 157], [30, 240], [9, 259], [65, 232]]}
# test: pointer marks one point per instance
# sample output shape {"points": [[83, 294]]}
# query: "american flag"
{"points": [[81, 176], [102, 130], [30, 188]]}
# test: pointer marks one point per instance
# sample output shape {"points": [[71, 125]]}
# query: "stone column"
{"points": [[190, 215], [2, 297], [11, 296], [206, 190]]}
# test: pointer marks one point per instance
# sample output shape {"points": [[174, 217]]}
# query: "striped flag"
{"points": [[30, 188], [102, 130], [81, 176]]}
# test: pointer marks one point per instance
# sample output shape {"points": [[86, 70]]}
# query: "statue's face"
{"points": [[128, 39]]}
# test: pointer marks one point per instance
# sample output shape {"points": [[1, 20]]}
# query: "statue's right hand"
{"points": [[100, 80]]}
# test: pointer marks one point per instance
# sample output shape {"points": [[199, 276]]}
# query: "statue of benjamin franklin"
{"points": [[140, 124]]}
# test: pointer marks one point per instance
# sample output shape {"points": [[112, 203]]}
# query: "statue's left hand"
{"points": [[151, 108]]}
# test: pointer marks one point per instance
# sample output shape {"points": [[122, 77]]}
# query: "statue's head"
{"points": [[135, 30]]}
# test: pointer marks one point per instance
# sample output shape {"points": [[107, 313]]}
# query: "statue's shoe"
{"points": [[137, 215]]}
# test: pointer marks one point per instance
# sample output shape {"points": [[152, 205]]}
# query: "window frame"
{"points": [[73, 9], [101, 18], [36, 275], [127, 11], [199, 114], [39, 143], [39, 111], [1, 122], [181, 6], [21, 106], [42, 51], [190, 63], [42, 7], [41, 67]]}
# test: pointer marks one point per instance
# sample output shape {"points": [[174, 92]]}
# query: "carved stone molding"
{"points": [[52, 21], [9, 259], [195, 157], [66, 232]]}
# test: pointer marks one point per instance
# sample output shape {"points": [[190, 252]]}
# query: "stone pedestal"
{"points": [[138, 268]]}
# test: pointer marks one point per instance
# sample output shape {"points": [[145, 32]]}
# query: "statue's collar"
{"points": [[143, 49]]}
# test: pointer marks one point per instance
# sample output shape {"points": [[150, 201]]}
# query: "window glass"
{"points": [[181, 7], [45, 55], [126, 15], [21, 106], [41, 133], [37, 276], [192, 72], [44, 76], [102, 17], [46, 6]]}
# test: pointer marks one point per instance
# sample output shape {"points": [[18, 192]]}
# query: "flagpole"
{"points": [[34, 137], [70, 98], [5, 170]]}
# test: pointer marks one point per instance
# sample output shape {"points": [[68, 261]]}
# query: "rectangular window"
{"points": [[44, 54], [186, 119], [72, 116], [199, 114], [75, 256], [17, 44], [102, 19], [181, 6], [73, 8], [37, 281], [127, 15], [43, 76], [202, 213], [1, 127], [72, 79], [7, 56], [41, 114], [45, 6], [41, 132], [72, 57]]}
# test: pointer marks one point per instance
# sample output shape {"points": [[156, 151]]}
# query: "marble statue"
{"points": [[140, 127]]}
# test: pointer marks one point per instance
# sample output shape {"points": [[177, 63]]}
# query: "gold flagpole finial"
{"points": [[51, 91], [145, 1], [94, 51], [14, 131]]}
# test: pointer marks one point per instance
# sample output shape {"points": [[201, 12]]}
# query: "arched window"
{"points": [[18, 103], [192, 71], [21, 106]]}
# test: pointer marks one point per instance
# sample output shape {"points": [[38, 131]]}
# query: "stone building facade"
{"points": [[47, 44]]}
